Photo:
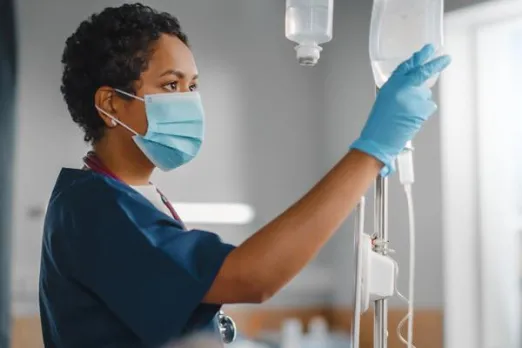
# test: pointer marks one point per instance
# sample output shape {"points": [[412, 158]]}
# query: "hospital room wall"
{"points": [[263, 110], [349, 93]]}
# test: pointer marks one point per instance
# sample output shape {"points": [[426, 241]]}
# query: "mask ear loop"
{"points": [[129, 94], [115, 121]]}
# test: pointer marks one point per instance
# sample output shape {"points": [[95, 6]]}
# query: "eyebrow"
{"points": [[178, 74]]}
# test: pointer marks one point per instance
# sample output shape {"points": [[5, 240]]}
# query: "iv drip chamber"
{"points": [[309, 24]]}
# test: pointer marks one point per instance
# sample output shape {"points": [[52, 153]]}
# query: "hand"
{"points": [[402, 106]]}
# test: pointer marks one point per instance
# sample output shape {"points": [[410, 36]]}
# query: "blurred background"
{"points": [[274, 128]]}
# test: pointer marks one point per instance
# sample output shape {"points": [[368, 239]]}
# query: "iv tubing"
{"points": [[406, 176]]}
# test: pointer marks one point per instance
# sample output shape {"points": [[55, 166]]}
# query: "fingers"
{"points": [[418, 58], [424, 93], [421, 110], [417, 102], [424, 72], [431, 108]]}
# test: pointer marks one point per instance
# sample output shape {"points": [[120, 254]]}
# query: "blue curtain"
{"points": [[7, 131]]}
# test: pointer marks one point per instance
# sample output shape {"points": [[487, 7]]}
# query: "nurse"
{"points": [[119, 268]]}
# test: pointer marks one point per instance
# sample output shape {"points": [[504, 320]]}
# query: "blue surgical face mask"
{"points": [[175, 128]]}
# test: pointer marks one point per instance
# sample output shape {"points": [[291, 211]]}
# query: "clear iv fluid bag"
{"points": [[309, 24], [398, 29]]}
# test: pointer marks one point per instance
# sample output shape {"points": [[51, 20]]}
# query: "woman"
{"points": [[118, 267]]}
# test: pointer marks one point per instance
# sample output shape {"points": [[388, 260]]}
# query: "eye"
{"points": [[171, 86], [193, 87]]}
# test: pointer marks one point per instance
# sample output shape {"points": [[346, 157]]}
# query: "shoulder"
{"points": [[75, 184], [79, 192], [88, 205], [81, 198]]}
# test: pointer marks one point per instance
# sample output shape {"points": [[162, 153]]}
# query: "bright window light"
{"points": [[215, 213]]}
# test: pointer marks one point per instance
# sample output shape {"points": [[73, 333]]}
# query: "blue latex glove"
{"points": [[402, 106]]}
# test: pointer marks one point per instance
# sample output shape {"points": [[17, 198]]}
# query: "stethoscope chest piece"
{"points": [[227, 328]]}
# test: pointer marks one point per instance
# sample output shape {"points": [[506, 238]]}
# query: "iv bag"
{"points": [[309, 24], [398, 29]]}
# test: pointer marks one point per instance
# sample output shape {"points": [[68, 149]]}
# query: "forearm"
{"points": [[264, 263]]}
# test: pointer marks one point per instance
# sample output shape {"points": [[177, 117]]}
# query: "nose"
{"points": [[185, 86]]}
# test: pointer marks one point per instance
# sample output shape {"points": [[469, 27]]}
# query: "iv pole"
{"points": [[380, 246], [380, 226], [380, 316]]}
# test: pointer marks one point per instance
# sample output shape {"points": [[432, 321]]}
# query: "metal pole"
{"points": [[380, 316], [380, 319]]}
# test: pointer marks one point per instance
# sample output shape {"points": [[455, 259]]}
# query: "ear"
{"points": [[105, 99]]}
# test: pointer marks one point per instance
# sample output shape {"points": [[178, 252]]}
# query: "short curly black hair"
{"points": [[111, 48]]}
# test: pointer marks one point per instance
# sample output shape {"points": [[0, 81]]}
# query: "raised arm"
{"points": [[269, 259]]}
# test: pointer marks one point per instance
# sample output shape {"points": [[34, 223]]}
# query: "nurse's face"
{"points": [[171, 69]]}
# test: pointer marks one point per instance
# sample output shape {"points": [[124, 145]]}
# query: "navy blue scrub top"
{"points": [[117, 272]]}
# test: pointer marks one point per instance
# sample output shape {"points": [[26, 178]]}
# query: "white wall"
{"points": [[480, 179], [263, 144]]}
